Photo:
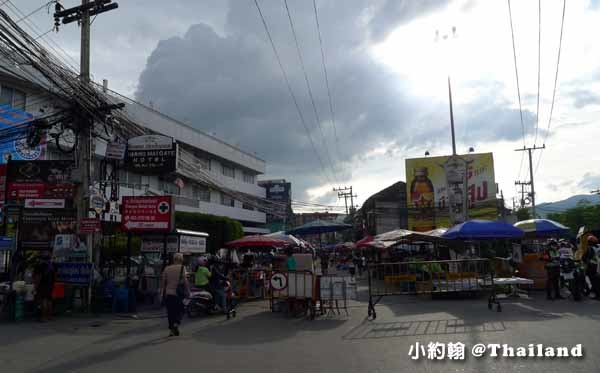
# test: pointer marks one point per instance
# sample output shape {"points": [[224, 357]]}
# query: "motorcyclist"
{"points": [[202, 276], [590, 259], [551, 257], [217, 284]]}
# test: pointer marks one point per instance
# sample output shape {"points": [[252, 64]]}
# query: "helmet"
{"points": [[592, 240], [552, 243], [201, 261]]}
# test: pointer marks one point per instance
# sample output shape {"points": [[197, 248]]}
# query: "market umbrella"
{"points": [[319, 227], [364, 242], [256, 241], [281, 235], [394, 235], [483, 229], [541, 226]]}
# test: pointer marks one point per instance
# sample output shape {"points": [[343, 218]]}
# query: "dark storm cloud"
{"points": [[230, 83]]}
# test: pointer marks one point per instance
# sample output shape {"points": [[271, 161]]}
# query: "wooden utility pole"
{"points": [[529, 150], [346, 192]]}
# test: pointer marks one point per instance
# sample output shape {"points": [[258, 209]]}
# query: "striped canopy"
{"points": [[541, 226]]}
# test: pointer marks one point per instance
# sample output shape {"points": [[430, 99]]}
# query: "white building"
{"points": [[229, 166]]}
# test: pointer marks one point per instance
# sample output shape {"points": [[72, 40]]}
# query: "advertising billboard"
{"points": [[279, 191], [15, 147], [436, 186], [151, 155]]}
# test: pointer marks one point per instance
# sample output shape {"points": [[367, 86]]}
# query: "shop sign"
{"points": [[90, 225], [192, 244], [74, 273], [39, 227], [147, 214], [40, 180], [151, 155], [39, 203], [155, 244], [115, 150]]}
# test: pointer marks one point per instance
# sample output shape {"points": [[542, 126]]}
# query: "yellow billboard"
{"points": [[427, 190]]}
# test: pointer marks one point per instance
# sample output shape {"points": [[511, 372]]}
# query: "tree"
{"points": [[582, 215], [523, 214]]}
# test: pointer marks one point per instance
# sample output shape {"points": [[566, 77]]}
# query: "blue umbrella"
{"points": [[319, 227], [483, 229]]}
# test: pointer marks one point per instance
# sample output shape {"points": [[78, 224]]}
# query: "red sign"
{"points": [[19, 191], [147, 214], [89, 225]]}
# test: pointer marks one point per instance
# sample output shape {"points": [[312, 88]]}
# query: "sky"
{"points": [[209, 63]]}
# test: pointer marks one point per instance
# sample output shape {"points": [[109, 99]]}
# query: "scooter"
{"points": [[573, 277], [201, 302]]}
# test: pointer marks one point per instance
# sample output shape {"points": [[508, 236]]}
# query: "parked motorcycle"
{"points": [[201, 302], [573, 277]]}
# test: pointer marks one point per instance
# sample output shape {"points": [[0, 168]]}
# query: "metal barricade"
{"points": [[295, 290], [333, 290], [466, 276]]}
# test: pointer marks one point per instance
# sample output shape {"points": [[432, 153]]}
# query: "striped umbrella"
{"points": [[541, 226]]}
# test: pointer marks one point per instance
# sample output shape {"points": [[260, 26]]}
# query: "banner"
{"points": [[74, 273], [428, 198], [39, 180], [38, 227]]}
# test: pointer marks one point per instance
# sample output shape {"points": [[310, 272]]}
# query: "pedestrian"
{"points": [[44, 277], [202, 275], [217, 285], [590, 259], [551, 257], [290, 262], [175, 287]]}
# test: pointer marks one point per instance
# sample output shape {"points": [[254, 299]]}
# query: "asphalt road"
{"points": [[261, 341]]}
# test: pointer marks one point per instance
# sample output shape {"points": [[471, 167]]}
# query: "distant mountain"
{"points": [[552, 207]]}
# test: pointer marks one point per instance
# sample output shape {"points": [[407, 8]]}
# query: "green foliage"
{"points": [[583, 214], [523, 214], [220, 229]]}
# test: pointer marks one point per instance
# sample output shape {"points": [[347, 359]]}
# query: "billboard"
{"points": [[435, 185], [39, 180], [280, 192], [151, 155], [15, 146]]}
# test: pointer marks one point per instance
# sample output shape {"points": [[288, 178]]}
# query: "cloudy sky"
{"points": [[210, 63]]}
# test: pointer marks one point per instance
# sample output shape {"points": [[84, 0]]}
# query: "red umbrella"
{"points": [[256, 241], [365, 241]]}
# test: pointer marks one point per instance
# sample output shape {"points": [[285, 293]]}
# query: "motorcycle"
{"points": [[201, 302], [573, 277]]}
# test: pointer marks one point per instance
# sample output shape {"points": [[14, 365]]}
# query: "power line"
{"points": [[289, 87], [562, 23], [516, 71], [326, 77], [35, 11], [537, 114], [308, 87]]}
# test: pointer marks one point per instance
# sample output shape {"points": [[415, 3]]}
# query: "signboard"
{"points": [[16, 148], [6, 243], [37, 203], [279, 281], [151, 155], [155, 244], [115, 150], [39, 227], [40, 180], [74, 273], [427, 185], [147, 214], [2, 183], [192, 244], [278, 191], [89, 225]]}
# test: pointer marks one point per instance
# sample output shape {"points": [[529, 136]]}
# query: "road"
{"points": [[260, 341]]}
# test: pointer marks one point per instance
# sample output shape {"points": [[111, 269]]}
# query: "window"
{"points": [[130, 180], [249, 178], [168, 187], [227, 201], [12, 97], [201, 192], [228, 171], [204, 163], [246, 206]]}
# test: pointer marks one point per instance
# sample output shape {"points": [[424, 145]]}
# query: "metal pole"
{"points": [[532, 187], [451, 117]]}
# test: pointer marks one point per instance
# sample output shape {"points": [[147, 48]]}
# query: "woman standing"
{"points": [[175, 286]]}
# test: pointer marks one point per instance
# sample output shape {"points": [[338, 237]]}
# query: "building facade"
{"points": [[227, 167], [385, 210], [279, 193]]}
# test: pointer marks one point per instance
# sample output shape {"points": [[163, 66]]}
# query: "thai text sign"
{"points": [[147, 214], [74, 273]]}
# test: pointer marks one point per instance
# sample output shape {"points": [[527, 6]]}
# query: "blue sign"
{"points": [[6, 243], [74, 273], [15, 144]]}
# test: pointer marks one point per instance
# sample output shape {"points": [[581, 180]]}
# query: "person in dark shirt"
{"points": [[44, 278]]}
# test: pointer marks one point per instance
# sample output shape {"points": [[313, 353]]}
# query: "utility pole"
{"points": [[346, 192], [451, 117], [81, 14], [522, 184], [529, 150]]}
